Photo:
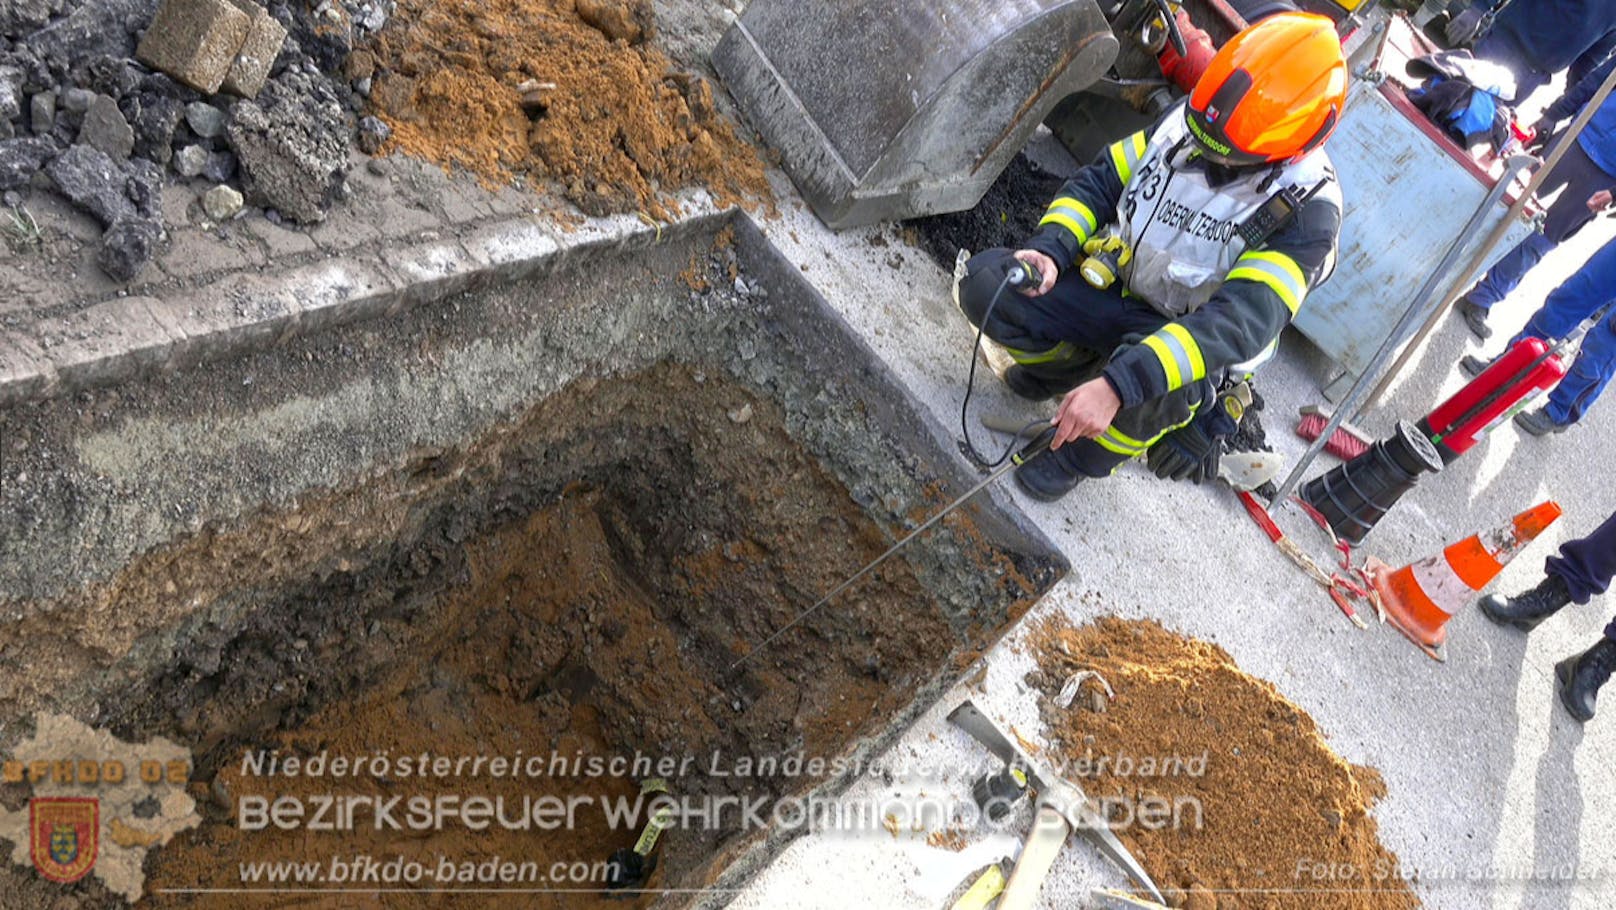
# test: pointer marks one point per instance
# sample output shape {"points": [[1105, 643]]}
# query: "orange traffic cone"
{"points": [[1421, 597]]}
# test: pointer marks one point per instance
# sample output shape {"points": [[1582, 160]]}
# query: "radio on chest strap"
{"points": [[1272, 216]]}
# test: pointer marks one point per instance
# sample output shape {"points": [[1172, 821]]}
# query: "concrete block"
{"points": [[396, 219], [108, 342], [24, 370], [338, 292], [432, 271], [195, 41], [514, 250], [194, 253], [343, 231], [281, 242], [239, 312], [465, 202], [250, 70]]}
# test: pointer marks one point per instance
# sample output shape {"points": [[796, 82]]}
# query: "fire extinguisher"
{"points": [[1531, 366]]}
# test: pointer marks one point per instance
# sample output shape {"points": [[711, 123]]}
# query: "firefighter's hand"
{"points": [[1463, 27], [1599, 201], [1085, 412], [1044, 265], [1542, 133]]}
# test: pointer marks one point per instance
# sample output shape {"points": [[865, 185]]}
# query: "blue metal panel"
{"points": [[1406, 200]]}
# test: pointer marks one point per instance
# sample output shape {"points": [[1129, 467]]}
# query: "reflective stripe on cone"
{"points": [[1422, 596]]}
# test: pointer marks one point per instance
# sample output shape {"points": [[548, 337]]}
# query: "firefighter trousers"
{"points": [[1590, 288], [1065, 338]]}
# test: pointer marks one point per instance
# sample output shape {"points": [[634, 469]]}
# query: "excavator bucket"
{"points": [[887, 109]]}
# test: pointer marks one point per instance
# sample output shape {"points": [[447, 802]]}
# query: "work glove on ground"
{"points": [[1462, 28], [1192, 452]]}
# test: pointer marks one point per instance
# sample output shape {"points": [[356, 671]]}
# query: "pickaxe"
{"points": [[1063, 808]]}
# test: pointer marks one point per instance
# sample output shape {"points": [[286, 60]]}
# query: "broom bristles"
{"points": [[1343, 443]]}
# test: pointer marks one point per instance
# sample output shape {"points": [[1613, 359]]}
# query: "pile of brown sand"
{"points": [[563, 90], [1283, 822]]}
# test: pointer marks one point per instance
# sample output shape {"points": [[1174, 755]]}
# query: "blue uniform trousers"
{"points": [[1580, 296], [1587, 565]]}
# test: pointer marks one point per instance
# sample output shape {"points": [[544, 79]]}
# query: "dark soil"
{"points": [[1007, 215]]}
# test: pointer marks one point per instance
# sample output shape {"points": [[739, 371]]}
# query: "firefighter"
{"points": [[1537, 38], [1216, 222], [1581, 296], [1580, 573], [1585, 176]]}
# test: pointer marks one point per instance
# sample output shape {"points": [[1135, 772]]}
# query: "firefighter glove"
{"points": [[1192, 452]]}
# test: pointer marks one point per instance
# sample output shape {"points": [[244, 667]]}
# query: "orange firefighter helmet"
{"points": [[1273, 93]]}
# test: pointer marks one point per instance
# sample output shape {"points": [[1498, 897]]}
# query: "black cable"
{"points": [[966, 444]]}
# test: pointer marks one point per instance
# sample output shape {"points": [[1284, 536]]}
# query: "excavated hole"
{"points": [[575, 579], [579, 589]]}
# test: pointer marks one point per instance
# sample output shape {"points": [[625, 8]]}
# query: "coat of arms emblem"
{"points": [[63, 836]]}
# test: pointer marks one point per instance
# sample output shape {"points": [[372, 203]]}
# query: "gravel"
{"points": [[221, 203], [205, 120], [190, 161]]}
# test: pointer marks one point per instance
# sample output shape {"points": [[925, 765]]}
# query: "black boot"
{"points": [[1475, 316], [1047, 477], [1524, 611], [1581, 676], [1473, 366], [1027, 384], [1539, 423]]}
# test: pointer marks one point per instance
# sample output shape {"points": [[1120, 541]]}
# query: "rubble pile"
{"points": [[258, 103], [103, 101]]}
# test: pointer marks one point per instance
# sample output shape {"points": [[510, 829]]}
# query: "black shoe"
{"points": [[1046, 478], [1026, 385], [1475, 316], [1539, 423], [1525, 610], [1473, 366], [1581, 676]]}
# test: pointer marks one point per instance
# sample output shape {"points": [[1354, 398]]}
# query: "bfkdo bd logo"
{"points": [[63, 836]]}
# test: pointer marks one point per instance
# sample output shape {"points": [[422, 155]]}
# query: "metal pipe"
{"points": [[1560, 148], [1416, 308]]}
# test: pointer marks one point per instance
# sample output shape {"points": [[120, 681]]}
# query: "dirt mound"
{"points": [[557, 91], [1283, 822]]}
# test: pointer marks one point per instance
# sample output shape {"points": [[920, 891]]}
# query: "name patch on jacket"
{"points": [[1196, 224]]}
